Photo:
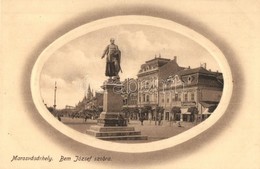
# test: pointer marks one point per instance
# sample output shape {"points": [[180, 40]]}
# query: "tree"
{"points": [[145, 110], [158, 109], [148, 108], [51, 109], [212, 108], [194, 111], [134, 113], [176, 112]]}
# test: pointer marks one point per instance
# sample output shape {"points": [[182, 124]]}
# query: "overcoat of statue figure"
{"points": [[113, 59]]}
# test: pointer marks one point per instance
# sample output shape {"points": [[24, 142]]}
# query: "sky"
{"points": [[78, 63]]}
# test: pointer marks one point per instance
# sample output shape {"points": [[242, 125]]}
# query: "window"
{"points": [[168, 100], [162, 100], [147, 98], [186, 97], [192, 96], [189, 79], [125, 102], [176, 96]]}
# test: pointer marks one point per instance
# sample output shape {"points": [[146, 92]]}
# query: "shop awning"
{"points": [[208, 104], [206, 111], [185, 111]]}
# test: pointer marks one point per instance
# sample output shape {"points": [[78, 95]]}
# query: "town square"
{"points": [[164, 100]]}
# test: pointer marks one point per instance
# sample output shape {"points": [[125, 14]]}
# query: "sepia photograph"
{"points": [[138, 84], [131, 83]]}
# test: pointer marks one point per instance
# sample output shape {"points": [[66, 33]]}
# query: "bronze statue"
{"points": [[113, 59]]}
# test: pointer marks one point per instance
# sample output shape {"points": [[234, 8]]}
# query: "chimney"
{"points": [[204, 65], [175, 58]]}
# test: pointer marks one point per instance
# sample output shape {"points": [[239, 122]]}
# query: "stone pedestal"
{"points": [[111, 124], [112, 107]]}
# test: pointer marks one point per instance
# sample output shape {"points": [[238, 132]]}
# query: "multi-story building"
{"points": [[163, 83], [150, 77], [197, 87], [130, 93]]}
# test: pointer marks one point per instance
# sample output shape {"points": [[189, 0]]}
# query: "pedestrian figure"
{"points": [[142, 120], [171, 121], [86, 118], [179, 123], [121, 120], [159, 119], [150, 118]]}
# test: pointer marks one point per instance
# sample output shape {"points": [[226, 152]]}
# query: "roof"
{"points": [[168, 69], [202, 77], [152, 66], [201, 70], [158, 60], [210, 81]]}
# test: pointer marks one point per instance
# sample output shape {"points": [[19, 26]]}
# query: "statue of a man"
{"points": [[113, 59]]}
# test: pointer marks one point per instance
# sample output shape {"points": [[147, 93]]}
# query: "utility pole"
{"points": [[55, 90]]}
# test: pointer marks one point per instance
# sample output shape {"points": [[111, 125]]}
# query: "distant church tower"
{"points": [[89, 93]]}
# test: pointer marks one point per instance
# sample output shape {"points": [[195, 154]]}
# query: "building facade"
{"points": [[191, 88], [91, 101], [164, 86], [163, 83], [150, 79]]}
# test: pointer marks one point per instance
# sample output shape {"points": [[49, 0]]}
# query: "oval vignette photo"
{"points": [[141, 83]]}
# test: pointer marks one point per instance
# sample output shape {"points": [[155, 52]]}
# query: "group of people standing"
{"points": [[157, 119]]}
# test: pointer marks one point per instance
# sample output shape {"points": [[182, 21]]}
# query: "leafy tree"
{"points": [[177, 112], [159, 109], [51, 109], [193, 111], [146, 109], [176, 109], [212, 108]]}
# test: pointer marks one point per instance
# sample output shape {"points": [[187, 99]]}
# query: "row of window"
{"points": [[192, 97], [177, 97], [146, 98]]}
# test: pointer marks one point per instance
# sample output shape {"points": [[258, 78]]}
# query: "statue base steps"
{"points": [[112, 124], [115, 133], [111, 119]]}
